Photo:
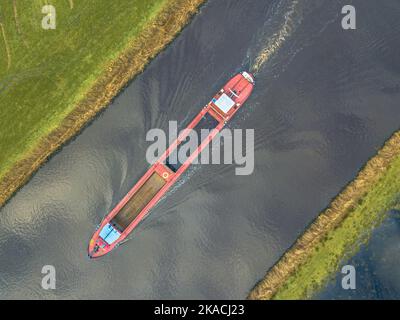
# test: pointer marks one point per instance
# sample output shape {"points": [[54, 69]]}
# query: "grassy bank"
{"points": [[52, 82], [337, 233]]}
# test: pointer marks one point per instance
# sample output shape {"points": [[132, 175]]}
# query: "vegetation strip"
{"points": [[338, 231], [158, 33]]}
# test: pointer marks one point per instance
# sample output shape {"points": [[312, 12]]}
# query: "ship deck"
{"points": [[207, 122], [139, 200]]}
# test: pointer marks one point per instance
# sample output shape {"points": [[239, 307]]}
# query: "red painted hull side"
{"points": [[242, 88]]}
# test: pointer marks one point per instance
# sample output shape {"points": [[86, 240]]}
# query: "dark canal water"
{"points": [[325, 101]]}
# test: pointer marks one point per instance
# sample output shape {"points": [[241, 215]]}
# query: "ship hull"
{"points": [[160, 177]]}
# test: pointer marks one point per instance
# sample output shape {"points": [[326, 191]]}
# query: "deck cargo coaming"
{"points": [[238, 89]]}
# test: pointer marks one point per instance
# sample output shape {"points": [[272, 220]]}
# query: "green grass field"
{"points": [[44, 73], [344, 241]]}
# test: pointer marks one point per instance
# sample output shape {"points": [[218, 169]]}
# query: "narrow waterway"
{"points": [[325, 100]]}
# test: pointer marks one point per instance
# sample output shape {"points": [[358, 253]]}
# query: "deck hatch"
{"points": [[139, 200], [109, 234], [206, 122], [224, 103]]}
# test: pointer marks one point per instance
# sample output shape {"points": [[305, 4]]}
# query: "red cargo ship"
{"points": [[132, 209]]}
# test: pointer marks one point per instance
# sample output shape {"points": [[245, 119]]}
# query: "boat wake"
{"points": [[284, 17]]}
